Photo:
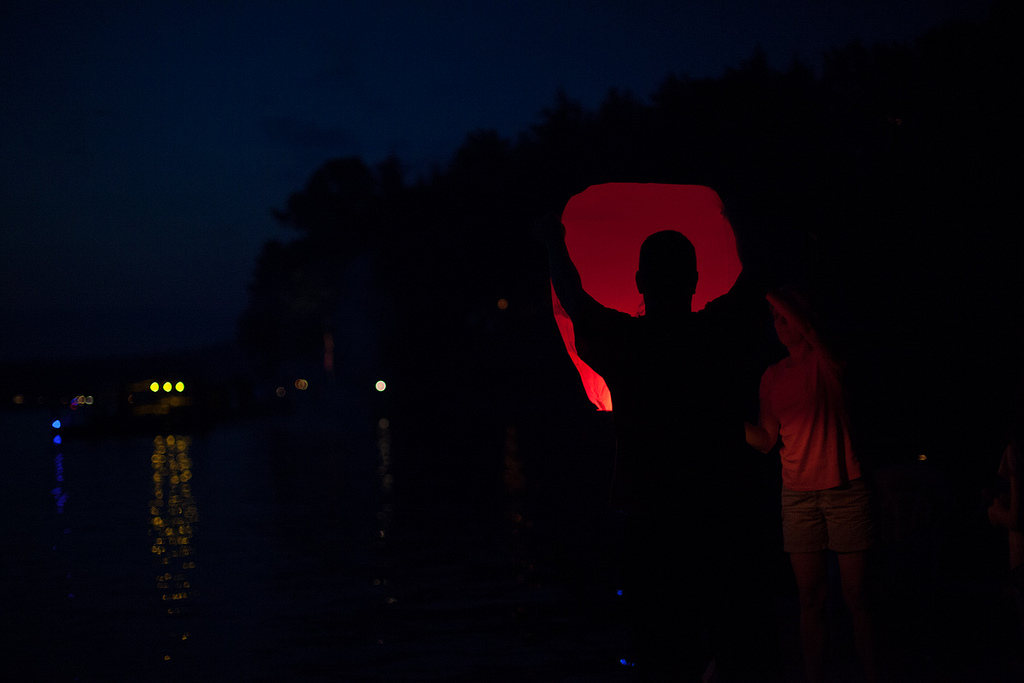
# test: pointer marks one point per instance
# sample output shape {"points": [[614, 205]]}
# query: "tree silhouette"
{"points": [[848, 180]]}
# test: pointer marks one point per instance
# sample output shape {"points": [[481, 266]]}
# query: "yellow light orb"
{"points": [[167, 386], [154, 387], [179, 387], [381, 386]]}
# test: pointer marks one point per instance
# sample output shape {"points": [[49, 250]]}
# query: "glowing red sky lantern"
{"points": [[604, 228]]}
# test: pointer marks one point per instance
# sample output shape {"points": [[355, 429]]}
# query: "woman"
{"points": [[825, 502]]}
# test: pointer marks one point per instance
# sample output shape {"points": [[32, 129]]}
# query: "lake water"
{"points": [[287, 548], [335, 543]]}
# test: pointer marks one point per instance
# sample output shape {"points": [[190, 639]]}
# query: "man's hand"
{"points": [[549, 229], [564, 276]]}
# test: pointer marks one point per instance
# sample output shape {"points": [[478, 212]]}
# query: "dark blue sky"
{"points": [[144, 143]]}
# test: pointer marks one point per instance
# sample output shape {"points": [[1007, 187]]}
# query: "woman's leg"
{"points": [[811, 574], [852, 570], [812, 582]]}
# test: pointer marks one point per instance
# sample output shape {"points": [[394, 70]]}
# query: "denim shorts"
{"points": [[838, 519]]}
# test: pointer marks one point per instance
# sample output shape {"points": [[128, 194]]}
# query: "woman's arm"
{"points": [[765, 433], [759, 438]]}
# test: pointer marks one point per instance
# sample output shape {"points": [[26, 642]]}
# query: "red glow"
{"points": [[605, 226]]}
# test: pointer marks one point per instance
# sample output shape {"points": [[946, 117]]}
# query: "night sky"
{"points": [[144, 144]]}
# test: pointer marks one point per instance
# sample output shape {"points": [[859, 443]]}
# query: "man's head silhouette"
{"points": [[667, 275]]}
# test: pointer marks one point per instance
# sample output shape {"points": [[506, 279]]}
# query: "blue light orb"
{"points": [[56, 424]]}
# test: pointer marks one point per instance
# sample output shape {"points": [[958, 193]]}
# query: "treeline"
{"points": [[884, 183]]}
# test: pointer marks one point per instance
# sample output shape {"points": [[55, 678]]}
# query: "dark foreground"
{"points": [[375, 548]]}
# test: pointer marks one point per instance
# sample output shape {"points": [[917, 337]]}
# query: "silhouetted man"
{"points": [[676, 379]]}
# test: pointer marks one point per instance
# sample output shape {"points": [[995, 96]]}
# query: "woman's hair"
{"points": [[799, 302]]}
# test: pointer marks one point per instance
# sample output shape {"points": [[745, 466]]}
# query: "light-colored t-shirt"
{"points": [[806, 399]]}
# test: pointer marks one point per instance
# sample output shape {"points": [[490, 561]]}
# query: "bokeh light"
{"points": [[381, 386]]}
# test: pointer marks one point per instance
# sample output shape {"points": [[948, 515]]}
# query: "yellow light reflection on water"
{"points": [[173, 520]]}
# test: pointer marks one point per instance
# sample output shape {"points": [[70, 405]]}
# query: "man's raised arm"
{"points": [[564, 276]]}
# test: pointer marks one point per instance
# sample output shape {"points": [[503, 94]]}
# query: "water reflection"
{"points": [[173, 520], [515, 486], [60, 496], [385, 507]]}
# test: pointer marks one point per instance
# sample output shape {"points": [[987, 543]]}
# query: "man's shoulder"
{"points": [[742, 304], [594, 313]]}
